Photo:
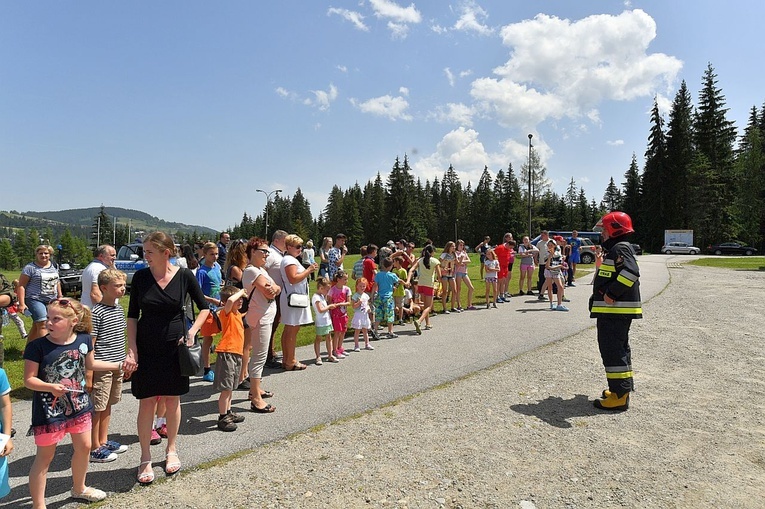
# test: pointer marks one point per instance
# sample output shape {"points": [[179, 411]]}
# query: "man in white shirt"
{"points": [[273, 267], [542, 247], [91, 294]]}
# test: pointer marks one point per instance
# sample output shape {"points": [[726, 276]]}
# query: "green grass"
{"points": [[14, 345], [733, 262]]}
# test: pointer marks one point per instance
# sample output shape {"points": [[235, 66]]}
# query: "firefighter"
{"points": [[615, 302]]}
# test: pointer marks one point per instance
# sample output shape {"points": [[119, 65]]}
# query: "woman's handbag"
{"points": [[298, 300], [189, 357]]}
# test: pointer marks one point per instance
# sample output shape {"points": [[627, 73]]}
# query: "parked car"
{"points": [[587, 251], [732, 248], [130, 259], [679, 248], [636, 247], [71, 279]]}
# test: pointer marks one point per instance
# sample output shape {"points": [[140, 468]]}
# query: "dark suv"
{"points": [[70, 278]]}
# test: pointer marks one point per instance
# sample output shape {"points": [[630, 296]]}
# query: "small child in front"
{"points": [[491, 269], [54, 368], [385, 282], [108, 345], [340, 296], [361, 322], [228, 365], [322, 321]]}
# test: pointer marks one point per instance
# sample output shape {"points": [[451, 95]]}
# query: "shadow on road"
{"points": [[557, 411]]}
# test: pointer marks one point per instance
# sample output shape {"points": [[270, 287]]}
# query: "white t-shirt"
{"points": [[261, 309], [90, 278], [273, 265], [322, 319], [542, 247]]}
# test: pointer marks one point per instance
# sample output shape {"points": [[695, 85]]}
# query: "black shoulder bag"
{"points": [[189, 357]]}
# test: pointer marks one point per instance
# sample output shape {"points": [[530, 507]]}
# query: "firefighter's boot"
{"points": [[611, 401]]}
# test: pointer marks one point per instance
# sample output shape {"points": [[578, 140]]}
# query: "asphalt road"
{"points": [[457, 345]]}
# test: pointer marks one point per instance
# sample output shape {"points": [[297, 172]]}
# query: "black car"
{"points": [[732, 248], [636, 247], [71, 279]]}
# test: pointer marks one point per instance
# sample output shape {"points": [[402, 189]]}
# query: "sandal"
{"points": [[265, 410], [266, 394], [172, 467], [295, 367], [90, 494], [145, 478]]}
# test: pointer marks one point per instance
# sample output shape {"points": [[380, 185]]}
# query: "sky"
{"points": [[183, 109]]}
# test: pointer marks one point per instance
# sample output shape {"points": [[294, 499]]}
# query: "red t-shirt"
{"points": [[370, 267], [503, 257]]}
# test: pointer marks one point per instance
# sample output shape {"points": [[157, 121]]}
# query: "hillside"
{"points": [[77, 219]]}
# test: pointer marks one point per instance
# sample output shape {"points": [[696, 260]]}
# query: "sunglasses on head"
{"points": [[64, 302]]}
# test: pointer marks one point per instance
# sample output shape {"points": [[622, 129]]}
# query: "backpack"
{"points": [[6, 288]]}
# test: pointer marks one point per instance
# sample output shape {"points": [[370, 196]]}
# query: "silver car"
{"points": [[679, 248]]}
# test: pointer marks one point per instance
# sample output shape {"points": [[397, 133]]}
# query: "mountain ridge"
{"points": [[83, 218]]}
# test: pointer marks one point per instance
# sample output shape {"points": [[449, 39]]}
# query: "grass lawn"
{"points": [[733, 262], [14, 345]]}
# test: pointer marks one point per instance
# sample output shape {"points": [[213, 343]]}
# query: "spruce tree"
{"points": [[653, 210], [631, 194], [680, 154], [714, 136]]}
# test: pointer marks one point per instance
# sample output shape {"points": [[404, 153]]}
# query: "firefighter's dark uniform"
{"points": [[619, 278]]}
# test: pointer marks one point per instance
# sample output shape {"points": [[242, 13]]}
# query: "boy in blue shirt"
{"points": [[384, 283]]}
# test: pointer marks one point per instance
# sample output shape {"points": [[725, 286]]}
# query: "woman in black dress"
{"points": [[155, 329]]}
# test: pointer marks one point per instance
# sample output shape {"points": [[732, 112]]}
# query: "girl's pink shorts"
{"points": [[81, 424]]}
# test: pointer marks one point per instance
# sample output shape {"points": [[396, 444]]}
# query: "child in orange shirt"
{"points": [[229, 351]]}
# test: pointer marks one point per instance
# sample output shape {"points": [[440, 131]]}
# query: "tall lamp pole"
{"points": [[268, 200], [530, 136]]}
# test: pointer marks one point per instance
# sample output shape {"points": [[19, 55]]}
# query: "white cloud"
{"points": [[341, 68], [398, 30], [559, 68], [399, 18], [615, 143], [322, 98], [354, 17], [472, 19], [438, 29], [393, 11], [465, 74], [449, 76], [393, 108], [454, 113], [462, 149], [286, 94], [403, 91]]}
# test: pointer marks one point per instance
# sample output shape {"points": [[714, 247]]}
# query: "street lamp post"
{"points": [[530, 136], [268, 200]]}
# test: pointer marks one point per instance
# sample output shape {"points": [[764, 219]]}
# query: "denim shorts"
{"points": [[37, 309]]}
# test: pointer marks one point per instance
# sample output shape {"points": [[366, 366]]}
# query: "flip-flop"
{"points": [[145, 478], [295, 367], [172, 467], [265, 410]]}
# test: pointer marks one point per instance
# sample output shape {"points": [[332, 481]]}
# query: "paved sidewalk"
{"points": [[459, 344]]}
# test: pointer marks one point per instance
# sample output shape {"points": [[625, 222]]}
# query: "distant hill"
{"points": [[77, 219]]}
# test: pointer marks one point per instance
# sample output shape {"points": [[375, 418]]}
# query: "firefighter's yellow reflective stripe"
{"points": [[623, 280], [616, 376], [607, 268], [628, 275], [618, 304], [610, 310]]}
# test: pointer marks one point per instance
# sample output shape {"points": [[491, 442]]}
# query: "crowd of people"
{"points": [[77, 358]]}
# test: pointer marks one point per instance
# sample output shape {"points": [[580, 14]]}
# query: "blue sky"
{"points": [[183, 108]]}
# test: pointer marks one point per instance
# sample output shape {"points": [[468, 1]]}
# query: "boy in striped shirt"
{"points": [[108, 345]]}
